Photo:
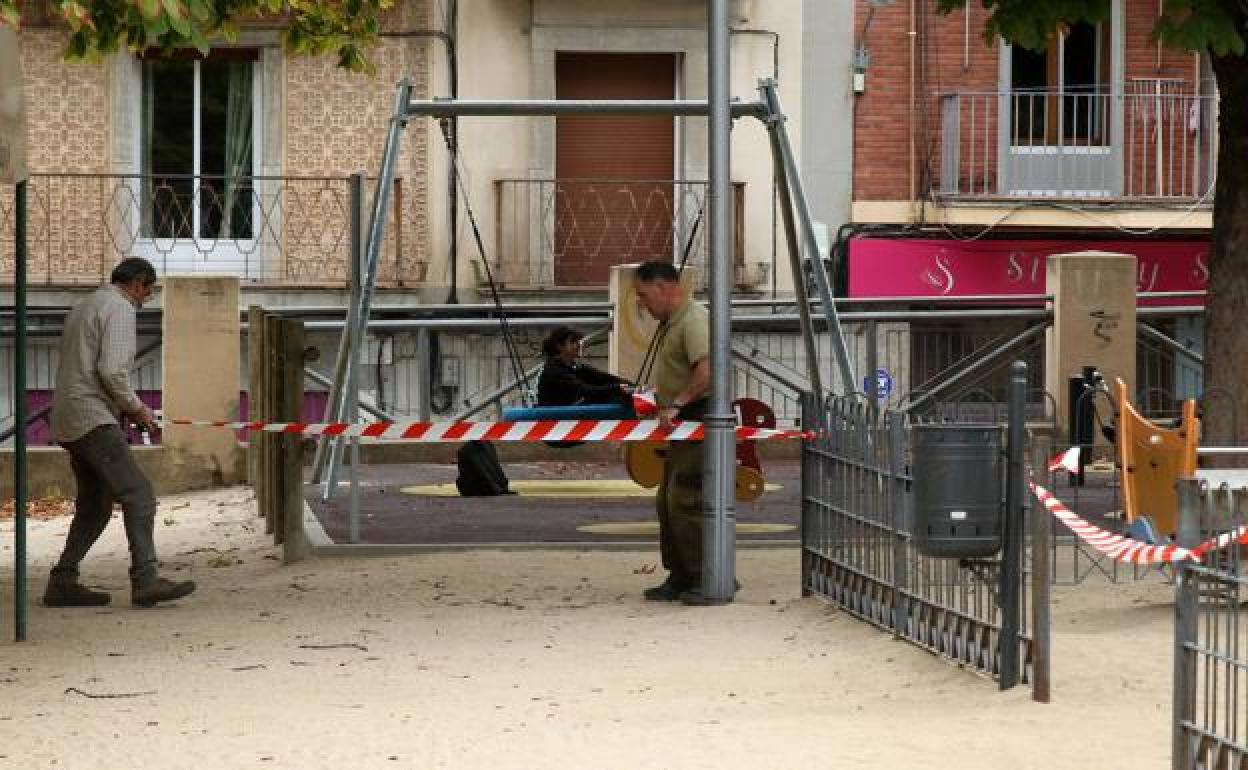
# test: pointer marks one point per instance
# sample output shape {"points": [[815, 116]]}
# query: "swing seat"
{"points": [[575, 412]]}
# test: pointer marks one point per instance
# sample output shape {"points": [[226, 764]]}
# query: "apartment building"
{"points": [[974, 160]]}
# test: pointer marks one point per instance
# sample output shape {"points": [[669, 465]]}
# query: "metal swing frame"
{"points": [[719, 553]]}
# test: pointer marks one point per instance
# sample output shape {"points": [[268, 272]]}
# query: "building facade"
{"points": [[975, 160]]}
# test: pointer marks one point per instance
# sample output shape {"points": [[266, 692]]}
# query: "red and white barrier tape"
{"points": [[1117, 547], [528, 430]]}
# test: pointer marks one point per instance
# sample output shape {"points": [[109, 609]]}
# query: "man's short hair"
{"points": [[132, 268], [654, 271]]}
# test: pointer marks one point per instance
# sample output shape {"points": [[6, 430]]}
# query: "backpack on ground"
{"points": [[480, 473]]}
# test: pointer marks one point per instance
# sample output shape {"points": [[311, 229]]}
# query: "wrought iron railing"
{"points": [[1153, 140], [267, 230], [570, 232]]}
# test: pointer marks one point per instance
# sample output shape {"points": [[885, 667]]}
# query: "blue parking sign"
{"points": [[882, 386]]}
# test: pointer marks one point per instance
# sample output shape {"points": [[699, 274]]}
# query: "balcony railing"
{"points": [[280, 231], [1152, 141], [570, 232]]}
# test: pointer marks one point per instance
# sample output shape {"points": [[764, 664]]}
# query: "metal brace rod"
{"points": [[460, 108]]}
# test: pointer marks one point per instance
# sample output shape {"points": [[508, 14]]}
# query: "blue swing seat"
{"points": [[576, 412]]}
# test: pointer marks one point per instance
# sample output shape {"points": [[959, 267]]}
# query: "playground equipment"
{"points": [[1153, 459]]}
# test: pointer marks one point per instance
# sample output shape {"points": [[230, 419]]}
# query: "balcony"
{"points": [[269, 231], [568, 233], [1150, 143]]}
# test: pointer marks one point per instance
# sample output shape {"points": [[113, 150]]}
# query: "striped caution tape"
{"points": [[1133, 551], [1117, 547], [526, 430]]}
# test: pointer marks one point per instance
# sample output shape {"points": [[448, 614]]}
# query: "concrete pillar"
{"points": [[1093, 321], [202, 376]]}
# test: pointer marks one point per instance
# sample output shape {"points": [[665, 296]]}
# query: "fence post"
{"points": [[255, 386], [896, 422], [259, 335], [272, 442], [1041, 616], [294, 544], [1186, 608], [1012, 550]]}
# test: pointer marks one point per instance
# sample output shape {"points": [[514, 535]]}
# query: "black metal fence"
{"points": [[1211, 633], [859, 550]]}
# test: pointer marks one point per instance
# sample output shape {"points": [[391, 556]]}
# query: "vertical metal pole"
{"points": [[327, 447], [785, 202], [424, 375], [353, 416], [348, 358], [1186, 612], [870, 382], [19, 413], [719, 490], [1012, 551], [1041, 616], [767, 88]]}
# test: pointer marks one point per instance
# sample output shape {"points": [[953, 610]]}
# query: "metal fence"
{"points": [[569, 232], [858, 550], [1211, 635], [1154, 139], [285, 231]]}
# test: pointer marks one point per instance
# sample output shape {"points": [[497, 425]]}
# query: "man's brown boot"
{"points": [[64, 590], [159, 590]]}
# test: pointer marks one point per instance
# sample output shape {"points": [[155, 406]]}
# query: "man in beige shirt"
{"points": [[92, 397], [682, 381]]}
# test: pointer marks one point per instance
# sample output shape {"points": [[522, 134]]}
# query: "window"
{"points": [[196, 145], [1061, 95]]}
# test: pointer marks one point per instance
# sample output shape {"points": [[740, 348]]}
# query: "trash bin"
{"points": [[958, 489]]}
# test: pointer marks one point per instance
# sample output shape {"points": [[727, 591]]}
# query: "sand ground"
{"points": [[535, 659]]}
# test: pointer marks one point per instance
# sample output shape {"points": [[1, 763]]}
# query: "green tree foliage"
{"points": [[344, 28], [1213, 26]]}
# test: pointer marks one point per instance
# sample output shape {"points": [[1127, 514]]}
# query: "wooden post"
{"points": [[272, 442], [255, 380], [295, 545], [260, 405]]}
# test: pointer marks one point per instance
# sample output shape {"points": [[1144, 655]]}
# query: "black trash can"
{"points": [[958, 490]]}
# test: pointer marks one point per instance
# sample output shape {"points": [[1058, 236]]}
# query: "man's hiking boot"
{"points": [[159, 590], [667, 591], [68, 592]]}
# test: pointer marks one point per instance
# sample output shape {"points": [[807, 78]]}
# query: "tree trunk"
{"points": [[1226, 308]]}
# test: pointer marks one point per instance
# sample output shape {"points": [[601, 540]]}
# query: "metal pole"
{"points": [[1041, 615], [1186, 623], [785, 202], [719, 535], [326, 446], [772, 100], [1012, 551], [353, 335], [451, 108], [372, 255], [19, 412]]}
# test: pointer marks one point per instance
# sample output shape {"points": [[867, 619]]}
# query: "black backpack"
{"points": [[480, 474]]}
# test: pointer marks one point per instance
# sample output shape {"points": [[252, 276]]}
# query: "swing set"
{"points": [[644, 460]]}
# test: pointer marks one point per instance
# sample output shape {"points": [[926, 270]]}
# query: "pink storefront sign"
{"points": [[947, 268]]}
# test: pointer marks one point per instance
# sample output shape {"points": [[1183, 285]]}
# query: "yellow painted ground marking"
{"points": [[554, 488]]}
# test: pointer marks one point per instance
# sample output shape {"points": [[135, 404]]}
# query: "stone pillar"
{"points": [[202, 376], [1093, 321], [633, 328]]}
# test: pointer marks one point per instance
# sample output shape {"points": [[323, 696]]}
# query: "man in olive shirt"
{"points": [[682, 381], [92, 396]]}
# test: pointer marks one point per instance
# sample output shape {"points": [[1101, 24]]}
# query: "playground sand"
{"points": [[534, 659]]}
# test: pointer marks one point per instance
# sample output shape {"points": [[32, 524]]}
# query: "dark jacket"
{"points": [[563, 384]]}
